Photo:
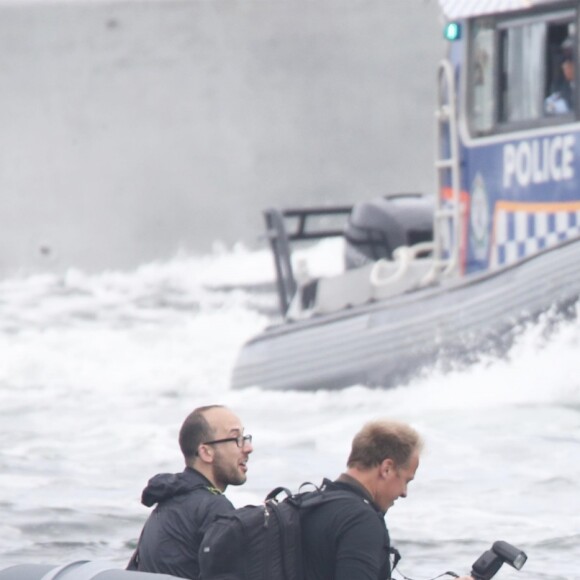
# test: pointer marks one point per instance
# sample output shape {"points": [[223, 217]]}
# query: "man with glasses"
{"points": [[216, 453]]}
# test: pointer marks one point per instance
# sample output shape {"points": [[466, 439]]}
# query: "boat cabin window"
{"points": [[521, 72], [483, 86]]}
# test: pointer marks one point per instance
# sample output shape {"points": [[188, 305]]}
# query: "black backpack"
{"points": [[261, 542]]}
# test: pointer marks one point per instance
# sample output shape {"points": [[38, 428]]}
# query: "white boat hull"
{"points": [[383, 342]]}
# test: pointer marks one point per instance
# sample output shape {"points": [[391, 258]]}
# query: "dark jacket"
{"points": [[187, 503], [346, 539]]}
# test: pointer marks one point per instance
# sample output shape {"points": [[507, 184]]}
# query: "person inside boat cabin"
{"points": [[216, 453], [350, 540], [561, 101]]}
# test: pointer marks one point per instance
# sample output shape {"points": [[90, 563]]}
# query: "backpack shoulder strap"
{"points": [[273, 495], [310, 500]]}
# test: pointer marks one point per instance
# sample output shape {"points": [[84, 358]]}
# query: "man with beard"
{"points": [[216, 453]]}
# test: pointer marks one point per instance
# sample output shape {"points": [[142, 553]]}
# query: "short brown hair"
{"points": [[380, 440], [195, 431]]}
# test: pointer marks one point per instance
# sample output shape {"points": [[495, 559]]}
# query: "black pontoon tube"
{"points": [[79, 570]]}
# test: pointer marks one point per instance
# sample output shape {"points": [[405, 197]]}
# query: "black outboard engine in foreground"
{"points": [[377, 227]]}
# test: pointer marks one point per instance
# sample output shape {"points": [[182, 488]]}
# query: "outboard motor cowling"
{"points": [[376, 228]]}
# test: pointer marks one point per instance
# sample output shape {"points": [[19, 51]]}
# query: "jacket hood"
{"points": [[167, 485]]}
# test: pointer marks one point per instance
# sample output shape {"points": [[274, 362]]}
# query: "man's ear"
{"points": [[386, 467], [205, 453]]}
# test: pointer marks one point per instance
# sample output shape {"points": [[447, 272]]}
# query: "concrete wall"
{"points": [[130, 130]]}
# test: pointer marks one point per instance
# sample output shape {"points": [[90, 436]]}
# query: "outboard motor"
{"points": [[376, 228]]}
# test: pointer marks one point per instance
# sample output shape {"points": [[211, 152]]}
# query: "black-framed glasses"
{"points": [[241, 441]]}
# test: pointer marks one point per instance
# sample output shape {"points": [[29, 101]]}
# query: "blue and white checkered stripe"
{"points": [[519, 233]]}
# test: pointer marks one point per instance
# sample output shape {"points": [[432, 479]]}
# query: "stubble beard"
{"points": [[227, 472]]}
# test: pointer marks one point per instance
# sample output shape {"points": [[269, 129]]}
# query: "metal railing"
{"points": [[448, 210]]}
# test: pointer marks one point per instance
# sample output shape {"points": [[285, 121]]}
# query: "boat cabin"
{"points": [[512, 134], [507, 166]]}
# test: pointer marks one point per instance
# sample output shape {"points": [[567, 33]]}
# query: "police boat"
{"points": [[430, 277]]}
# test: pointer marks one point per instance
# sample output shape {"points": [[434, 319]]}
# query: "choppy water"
{"points": [[97, 373]]}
